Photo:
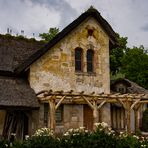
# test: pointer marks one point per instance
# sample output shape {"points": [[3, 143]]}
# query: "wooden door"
{"points": [[87, 117]]}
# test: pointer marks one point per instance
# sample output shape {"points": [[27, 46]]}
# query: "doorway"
{"points": [[87, 117], [16, 122]]}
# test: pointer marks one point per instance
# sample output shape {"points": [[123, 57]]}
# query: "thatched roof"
{"points": [[132, 87], [16, 92], [15, 50], [89, 13]]}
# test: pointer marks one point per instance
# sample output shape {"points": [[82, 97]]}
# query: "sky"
{"points": [[129, 18]]}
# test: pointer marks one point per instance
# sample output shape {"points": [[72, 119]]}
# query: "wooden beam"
{"points": [[136, 108], [41, 92], [95, 116], [121, 102], [102, 103], [128, 117], [52, 110], [88, 102], [59, 103], [136, 102]]}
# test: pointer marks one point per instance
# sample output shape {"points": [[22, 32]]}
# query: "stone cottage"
{"points": [[76, 59], [63, 84]]}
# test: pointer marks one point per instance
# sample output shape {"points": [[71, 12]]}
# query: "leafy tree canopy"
{"points": [[116, 55], [52, 32], [135, 66], [131, 63]]}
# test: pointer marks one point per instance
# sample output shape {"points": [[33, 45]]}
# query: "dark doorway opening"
{"points": [[16, 123]]}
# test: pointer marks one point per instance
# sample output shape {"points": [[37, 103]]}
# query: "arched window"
{"points": [[90, 60], [78, 59]]}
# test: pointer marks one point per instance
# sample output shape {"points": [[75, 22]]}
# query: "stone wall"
{"points": [[56, 69], [73, 116]]}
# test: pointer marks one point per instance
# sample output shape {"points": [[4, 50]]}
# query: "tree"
{"points": [[135, 66], [116, 55], [52, 32]]}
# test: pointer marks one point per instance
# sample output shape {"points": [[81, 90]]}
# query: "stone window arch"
{"points": [[79, 59]]}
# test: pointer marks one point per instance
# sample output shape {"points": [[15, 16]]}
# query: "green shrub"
{"points": [[102, 137]]}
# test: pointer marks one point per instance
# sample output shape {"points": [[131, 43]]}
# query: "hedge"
{"points": [[102, 137]]}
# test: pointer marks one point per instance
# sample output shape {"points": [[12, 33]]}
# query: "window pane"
{"points": [[78, 59], [78, 65], [78, 54], [59, 115], [89, 67], [90, 55]]}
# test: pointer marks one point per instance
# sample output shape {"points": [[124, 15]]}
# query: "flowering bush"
{"points": [[75, 138], [102, 137], [43, 132]]}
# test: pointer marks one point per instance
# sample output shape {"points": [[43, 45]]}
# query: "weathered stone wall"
{"points": [[73, 116], [56, 69]]}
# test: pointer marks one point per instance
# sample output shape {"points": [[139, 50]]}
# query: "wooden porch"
{"points": [[95, 101]]}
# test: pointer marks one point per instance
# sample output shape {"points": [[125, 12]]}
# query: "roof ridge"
{"points": [[90, 12]]}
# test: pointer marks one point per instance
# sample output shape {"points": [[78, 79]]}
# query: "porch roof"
{"points": [[95, 102], [79, 97], [16, 92]]}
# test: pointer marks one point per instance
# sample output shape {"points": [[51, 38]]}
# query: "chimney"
{"points": [[22, 32], [7, 30]]}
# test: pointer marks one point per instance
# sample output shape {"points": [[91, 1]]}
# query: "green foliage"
{"points": [[102, 137], [116, 55], [4, 143], [135, 66], [40, 142], [21, 37], [52, 32], [130, 63], [129, 142], [145, 121]]}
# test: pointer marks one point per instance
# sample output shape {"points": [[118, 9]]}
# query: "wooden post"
{"points": [[128, 118], [95, 116], [136, 120], [136, 116], [52, 114]]}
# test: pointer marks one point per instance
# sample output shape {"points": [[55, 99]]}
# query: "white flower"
{"points": [[135, 136], [66, 134], [82, 128], [97, 124], [104, 125], [13, 134], [26, 137], [44, 132], [143, 145], [70, 130]]}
